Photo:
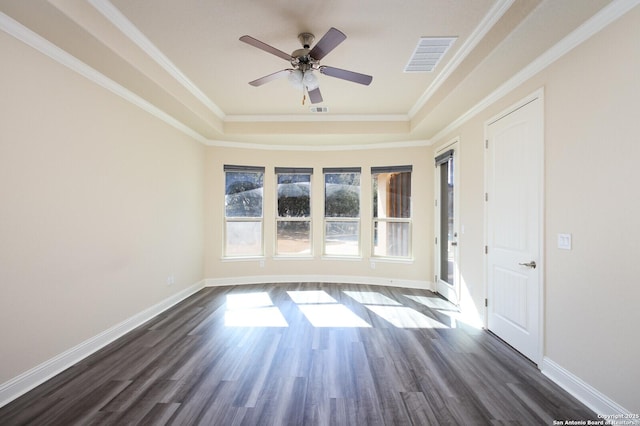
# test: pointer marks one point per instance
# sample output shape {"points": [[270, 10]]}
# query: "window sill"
{"points": [[285, 257], [405, 260], [348, 258], [243, 258]]}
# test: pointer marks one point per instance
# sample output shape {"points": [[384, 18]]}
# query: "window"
{"points": [[243, 210], [391, 211], [342, 211], [293, 219]]}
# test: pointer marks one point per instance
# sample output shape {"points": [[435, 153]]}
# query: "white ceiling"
{"points": [[185, 58]]}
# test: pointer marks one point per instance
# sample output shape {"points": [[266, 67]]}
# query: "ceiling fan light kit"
{"points": [[306, 79], [306, 60]]}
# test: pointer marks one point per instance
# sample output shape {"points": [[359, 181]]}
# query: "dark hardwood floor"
{"points": [[294, 354]]}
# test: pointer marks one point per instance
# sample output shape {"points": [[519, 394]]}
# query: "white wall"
{"points": [[100, 202]]}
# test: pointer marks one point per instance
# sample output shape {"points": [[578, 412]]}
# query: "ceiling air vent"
{"points": [[428, 53], [319, 109]]}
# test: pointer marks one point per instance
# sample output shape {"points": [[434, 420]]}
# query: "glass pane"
{"points": [[391, 239], [244, 239], [294, 195], [341, 238], [392, 195], [342, 195], [293, 237], [243, 194], [446, 222]]}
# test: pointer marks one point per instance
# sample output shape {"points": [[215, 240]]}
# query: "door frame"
{"points": [[537, 95], [454, 145]]}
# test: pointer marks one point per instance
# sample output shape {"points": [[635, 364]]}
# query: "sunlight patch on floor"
{"points": [[322, 310], [311, 296], [332, 315], [448, 309], [404, 317], [458, 319], [371, 298], [252, 310], [432, 302], [248, 300]]}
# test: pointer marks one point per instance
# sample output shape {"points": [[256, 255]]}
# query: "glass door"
{"points": [[446, 224]]}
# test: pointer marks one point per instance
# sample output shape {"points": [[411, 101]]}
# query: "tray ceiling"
{"points": [[185, 59]]}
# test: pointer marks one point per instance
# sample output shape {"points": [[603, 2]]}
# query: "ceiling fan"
{"points": [[306, 60]]}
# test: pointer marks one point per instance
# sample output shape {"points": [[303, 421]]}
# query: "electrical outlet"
{"points": [[171, 280]]}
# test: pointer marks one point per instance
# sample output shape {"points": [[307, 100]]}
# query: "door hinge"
{"points": [[436, 240], [486, 303], [486, 143], [435, 278], [486, 196], [436, 203], [486, 249]]}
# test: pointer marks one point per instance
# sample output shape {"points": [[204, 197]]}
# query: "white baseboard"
{"points": [[346, 279], [28, 380], [585, 393]]}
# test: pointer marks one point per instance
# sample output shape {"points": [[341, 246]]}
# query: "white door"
{"points": [[514, 165], [446, 207]]}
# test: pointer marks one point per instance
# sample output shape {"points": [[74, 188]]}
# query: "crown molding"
{"points": [[316, 118], [113, 15], [490, 19], [44, 46], [353, 147], [592, 26]]}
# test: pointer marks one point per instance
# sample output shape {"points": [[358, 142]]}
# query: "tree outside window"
{"points": [[342, 211], [243, 210], [293, 219]]}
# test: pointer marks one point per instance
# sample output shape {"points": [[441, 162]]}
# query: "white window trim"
{"points": [[325, 219], [226, 220], [399, 259], [287, 256], [326, 255]]}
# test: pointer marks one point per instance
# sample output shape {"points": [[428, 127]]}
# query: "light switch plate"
{"points": [[564, 241]]}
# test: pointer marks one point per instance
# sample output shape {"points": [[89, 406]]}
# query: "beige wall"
{"points": [[592, 157], [99, 203], [416, 272]]}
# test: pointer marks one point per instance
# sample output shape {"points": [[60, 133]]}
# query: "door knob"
{"points": [[531, 264], [453, 243]]}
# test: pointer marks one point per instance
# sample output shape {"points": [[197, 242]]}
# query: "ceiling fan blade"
{"points": [[346, 75], [264, 46], [327, 43], [267, 78], [315, 96]]}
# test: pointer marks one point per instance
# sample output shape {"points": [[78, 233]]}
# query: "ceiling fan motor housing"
{"points": [[300, 58], [306, 39]]}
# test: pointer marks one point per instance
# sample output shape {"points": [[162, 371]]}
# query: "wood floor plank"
{"points": [[404, 362], [419, 410]]}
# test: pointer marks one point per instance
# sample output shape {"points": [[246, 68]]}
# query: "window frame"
{"points": [[344, 219], [242, 219], [278, 219], [375, 171]]}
